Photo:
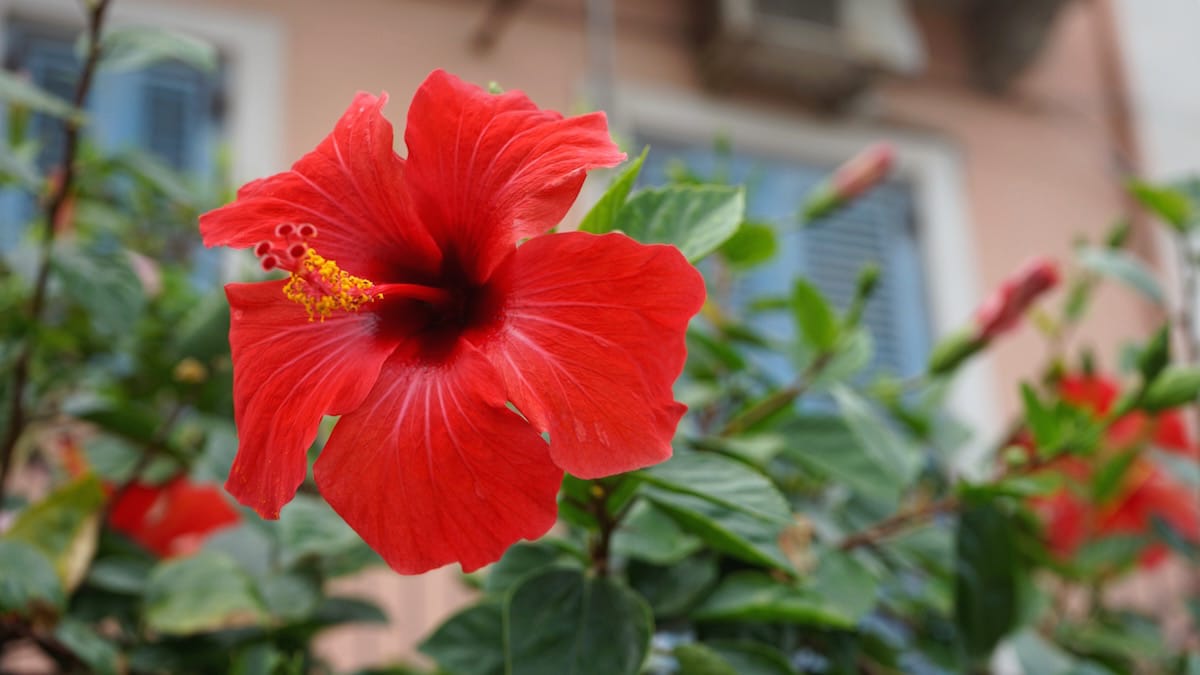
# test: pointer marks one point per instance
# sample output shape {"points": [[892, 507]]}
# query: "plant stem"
{"points": [[53, 210], [780, 399], [897, 523]]}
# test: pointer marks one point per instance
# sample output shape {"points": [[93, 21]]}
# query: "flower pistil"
{"points": [[316, 283]]}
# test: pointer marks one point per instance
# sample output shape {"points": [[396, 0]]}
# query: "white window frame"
{"points": [[251, 43], [929, 164]]}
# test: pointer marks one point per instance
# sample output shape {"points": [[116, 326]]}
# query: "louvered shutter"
{"points": [[877, 228]]}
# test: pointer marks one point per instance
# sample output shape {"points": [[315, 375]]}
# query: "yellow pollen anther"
{"points": [[323, 287]]}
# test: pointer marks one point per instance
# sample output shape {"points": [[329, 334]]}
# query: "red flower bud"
{"points": [[863, 172], [1005, 307]]}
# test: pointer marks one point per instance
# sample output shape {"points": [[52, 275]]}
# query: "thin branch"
{"points": [[897, 523], [53, 212], [780, 399]]}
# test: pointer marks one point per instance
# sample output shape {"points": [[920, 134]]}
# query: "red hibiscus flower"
{"points": [[172, 519], [447, 348], [1001, 311], [1072, 517]]}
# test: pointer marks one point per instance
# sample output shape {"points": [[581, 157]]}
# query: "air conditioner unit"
{"points": [[817, 49]]}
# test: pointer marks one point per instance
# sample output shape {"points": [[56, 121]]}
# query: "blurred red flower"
{"points": [[432, 320], [1073, 517], [1001, 311], [172, 519]]}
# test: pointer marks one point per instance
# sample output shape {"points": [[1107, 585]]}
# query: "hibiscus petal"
{"points": [[487, 170], [593, 343], [350, 188], [434, 468], [288, 373]]}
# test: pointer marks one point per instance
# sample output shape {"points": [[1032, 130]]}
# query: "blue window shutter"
{"points": [[878, 228]]}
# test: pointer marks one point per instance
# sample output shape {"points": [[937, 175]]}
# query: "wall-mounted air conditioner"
{"points": [[824, 50]]}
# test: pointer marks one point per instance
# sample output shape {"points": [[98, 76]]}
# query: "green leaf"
{"points": [[815, 317], [522, 560], [563, 622], [100, 655], [1174, 386], [752, 658], [103, 284], [722, 481], [733, 532], [672, 590], [64, 527], [988, 572], [19, 91], [603, 216], [124, 575], [308, 527], [1156, 354], [754, 596], [205, 592], [29, 583], [697, 219], [845, 584], [648, 534], [338, 610], [700, 659], [827, 446], [135, 47], [1172, 206], [752, 245], [879, 442], [470, 642], [1123, 267], [289, 596]]}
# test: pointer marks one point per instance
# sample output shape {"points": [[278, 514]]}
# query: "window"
{"points": [[879, 228]]}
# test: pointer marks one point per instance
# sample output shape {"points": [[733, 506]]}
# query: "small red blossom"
{"points": [[1005, 307], [173, 519], [1072, 517], [411, 312]]}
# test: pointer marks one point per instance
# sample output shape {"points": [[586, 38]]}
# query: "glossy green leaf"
{"points": [[338, 610], [104, 284], [64, 527], [205, 592], [988, 573], [19, 91], [671, 590], [471, 642], [735, 533], [878, 441], [752, 244], [722, 481], [563, 622], [845, 583], [126, 575], [814, 316], [754, 596], [700, 659], [289, 596], [101, 656], [522, 560], [752, 658], [696, 219], [308, 527], [648, 534], [603, 216], [1123, 267], [1172, 206], [28, 582], [135, 47], [827, 446], [1173, 387]]}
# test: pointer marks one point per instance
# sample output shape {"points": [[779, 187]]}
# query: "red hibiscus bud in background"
{"points": [[850, 180], [1005, 307], [172, 519]]}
